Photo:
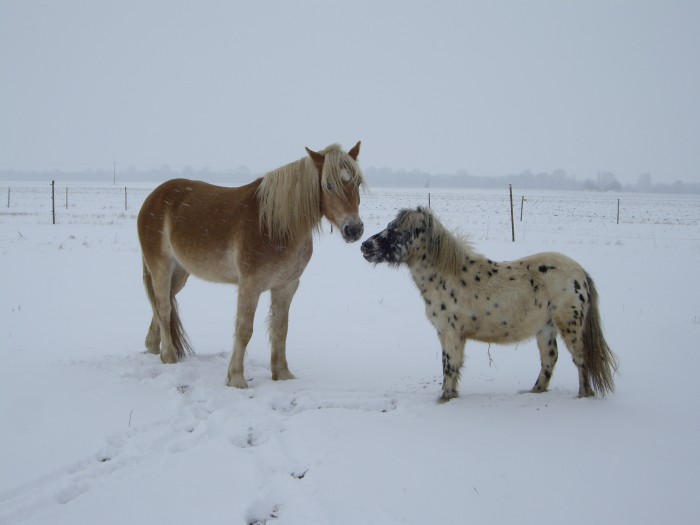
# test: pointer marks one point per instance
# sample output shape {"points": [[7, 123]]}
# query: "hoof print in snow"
{"points": [[273, 514], [299, 475], [183, 389]]}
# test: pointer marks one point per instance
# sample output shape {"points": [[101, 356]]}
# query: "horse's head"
{"points": [[394, 244], [340, 179]]}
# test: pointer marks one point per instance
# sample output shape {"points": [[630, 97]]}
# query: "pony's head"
{"points": [[416, 235], [340, 179], [393, 244]]}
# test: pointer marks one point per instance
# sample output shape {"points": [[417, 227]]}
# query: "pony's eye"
{"points": [[329, 186]]}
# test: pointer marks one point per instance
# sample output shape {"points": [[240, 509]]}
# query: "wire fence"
{"points": [[483, 211]]}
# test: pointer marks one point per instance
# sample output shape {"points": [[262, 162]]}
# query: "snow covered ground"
{"points": [[93, 430]]}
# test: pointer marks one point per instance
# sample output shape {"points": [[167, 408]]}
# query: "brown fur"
{"points": [[258, 236]]}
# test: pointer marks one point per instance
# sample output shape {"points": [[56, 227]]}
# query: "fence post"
{"points": [[53, 200], [66, 198], [618, 211], [522, 203], [124, 198], [512, 220], [429, 200]]}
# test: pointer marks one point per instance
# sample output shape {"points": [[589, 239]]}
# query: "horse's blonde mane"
{"points": [[290, 196], [445, 251], [336, 160]]}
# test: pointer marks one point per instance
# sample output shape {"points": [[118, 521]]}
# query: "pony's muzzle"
{"points": [[370, 252], [352, 230]]}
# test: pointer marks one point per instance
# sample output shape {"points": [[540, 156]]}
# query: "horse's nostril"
{"points": [[353, 231]]}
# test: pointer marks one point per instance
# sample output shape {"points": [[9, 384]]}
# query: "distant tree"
{"points": [[644, 182], [608, 182]]}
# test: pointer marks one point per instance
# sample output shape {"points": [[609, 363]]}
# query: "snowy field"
{"points": [[95, 431]]}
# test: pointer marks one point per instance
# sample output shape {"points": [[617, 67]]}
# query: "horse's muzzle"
{"points": [[352, 230]]}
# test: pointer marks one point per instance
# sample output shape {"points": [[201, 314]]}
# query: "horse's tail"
{"points": [[601, 362], [178, 336]]}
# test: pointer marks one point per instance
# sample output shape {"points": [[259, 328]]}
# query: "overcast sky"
{"points": [[490, 87]]}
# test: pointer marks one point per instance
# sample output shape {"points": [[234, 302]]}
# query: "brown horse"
{"points": [[258, 236]]}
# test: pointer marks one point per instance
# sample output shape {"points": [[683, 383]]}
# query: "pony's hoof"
{"points": [[237, 381], [283, 375], [447, 395]]}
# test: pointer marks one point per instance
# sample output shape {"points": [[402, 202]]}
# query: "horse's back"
{"points": [[198, 224]]}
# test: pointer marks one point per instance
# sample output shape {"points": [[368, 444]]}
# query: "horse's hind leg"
{"points": [[177, 282], [153, 335], [248, 297], [547, 344], [162, 311], [278, 324]]}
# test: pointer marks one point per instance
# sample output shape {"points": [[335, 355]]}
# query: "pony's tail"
{"points": [[601, 362], [181, 343]]}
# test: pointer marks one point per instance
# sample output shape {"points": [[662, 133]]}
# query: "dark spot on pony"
{"points": [[544, 268]]}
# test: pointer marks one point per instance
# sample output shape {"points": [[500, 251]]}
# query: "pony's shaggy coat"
{"points": [[468, 296], [258, 236]]}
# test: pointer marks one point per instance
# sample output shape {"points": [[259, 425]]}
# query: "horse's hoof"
{"points": [[283, 375], [168, 359], [237, 381]]}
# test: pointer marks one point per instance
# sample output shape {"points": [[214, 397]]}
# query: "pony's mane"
{"points": [[445, 251], [290, 196]]}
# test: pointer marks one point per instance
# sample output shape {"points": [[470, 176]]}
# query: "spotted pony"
{"points": [[468, 296]]}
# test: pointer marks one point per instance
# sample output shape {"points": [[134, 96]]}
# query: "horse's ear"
{"points": [[355, 151], [317, 158]]}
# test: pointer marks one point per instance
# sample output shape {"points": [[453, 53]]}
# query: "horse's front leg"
{"points": [[281, 299], [452, 360], [248, 297]]}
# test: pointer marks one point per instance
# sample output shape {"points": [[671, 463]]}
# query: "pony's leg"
{"points": [[248, 297], [574, 343], [547, 344], [278, 324], [452, 360]]}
